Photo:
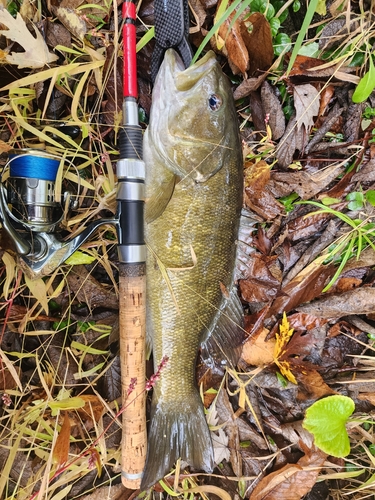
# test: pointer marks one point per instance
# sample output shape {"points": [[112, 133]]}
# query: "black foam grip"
{"points": [[131, 230], [130, 142]]}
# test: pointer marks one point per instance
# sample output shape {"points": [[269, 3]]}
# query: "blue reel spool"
{"points": [[32, 176]]}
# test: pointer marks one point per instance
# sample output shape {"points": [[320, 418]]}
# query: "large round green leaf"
{"points": [[326, 420]]}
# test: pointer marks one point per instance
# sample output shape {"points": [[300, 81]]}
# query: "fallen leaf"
{"points": [[249, 85], [291, 482], [257, 198], [357, 301], [61, 449], [257, 351], [311, 384], [306, 286], [93, 409], [233, 44], [258, 42], [71, 20], [259, 284], [36, 53], [303, 183], [293, 140], [89, 291], [4, 147], [272, 110], [306, 103], [282, 339]]}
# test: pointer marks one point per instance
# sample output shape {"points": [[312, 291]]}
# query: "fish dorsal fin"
{"points": [[226, 334], [159, 194]]}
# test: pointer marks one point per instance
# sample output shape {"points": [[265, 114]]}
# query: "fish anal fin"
{"points": [[226, 334]]}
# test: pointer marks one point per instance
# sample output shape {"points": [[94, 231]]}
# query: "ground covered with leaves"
{"points": [[295, 418]]}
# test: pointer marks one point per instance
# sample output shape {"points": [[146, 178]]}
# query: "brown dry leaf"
{"points": [[89, 291], [311, 384], [36, 53], [93, 408], [61, 449], [273, 110], [306, 286], [249, 85], [257, 351], [291, 482], [316, 69], [293, 140], [306, 103], [234, 44], [4, 147], [72, 21], [7, 381], [259, 283], [306, 185], [358, 301], [257, 176], [258, 42]]}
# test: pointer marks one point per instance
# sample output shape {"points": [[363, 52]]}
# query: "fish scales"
{"points": [[193, 201]]}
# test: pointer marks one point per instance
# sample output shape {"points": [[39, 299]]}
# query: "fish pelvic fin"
{"points": [[177, 430]]}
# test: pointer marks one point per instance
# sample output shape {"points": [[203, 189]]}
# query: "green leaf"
{"points": [[366, 85], [282, 43], [309, 50], [356, 200], [370, 197], [326, 420], [79, 258], [296, 5], [321, 8], [275, 25], [327, 200]]}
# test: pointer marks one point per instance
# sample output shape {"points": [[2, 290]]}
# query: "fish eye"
{"points": [[215, 102]]}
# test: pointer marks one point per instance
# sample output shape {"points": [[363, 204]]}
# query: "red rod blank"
{"points": [[129, 42]]}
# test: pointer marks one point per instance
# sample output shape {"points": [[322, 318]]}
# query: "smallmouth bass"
{"points": [[194, 181]]}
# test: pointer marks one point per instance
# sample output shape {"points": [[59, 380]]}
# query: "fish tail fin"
{"points": [[177, 430]]}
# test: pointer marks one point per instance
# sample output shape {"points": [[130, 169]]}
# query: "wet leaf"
{"points": [[282, 339], [79, 258], [259, 285], [89, 291], [234, 44], [36, 53], [258, 42], [257, 351], [306, 103], [257, 198], [71, 20], [358, 301], [273, 110], [326, 420], [61, 449], [291, 482]]}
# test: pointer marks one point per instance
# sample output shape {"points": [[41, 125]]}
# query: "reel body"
{"points": [[31, 214]]}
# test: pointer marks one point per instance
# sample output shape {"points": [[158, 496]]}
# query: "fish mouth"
{"points": [[185, 79]]}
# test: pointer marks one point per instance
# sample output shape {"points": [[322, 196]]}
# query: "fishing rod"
{"points": [[132, 267], [32, 217]]}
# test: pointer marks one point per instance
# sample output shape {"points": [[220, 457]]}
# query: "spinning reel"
{"points": [[32, 216]]}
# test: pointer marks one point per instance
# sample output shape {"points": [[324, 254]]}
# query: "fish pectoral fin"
{"points": [[226, 334], [177, 431], [160, 192]]}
